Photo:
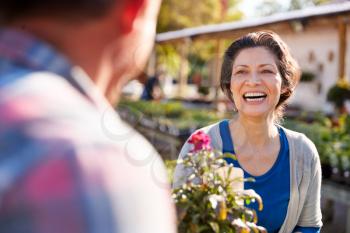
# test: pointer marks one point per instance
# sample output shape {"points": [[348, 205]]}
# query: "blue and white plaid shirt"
{"points": [[67, 161]]}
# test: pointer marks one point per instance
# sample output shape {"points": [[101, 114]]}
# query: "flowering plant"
{"points": [[211, 198]]}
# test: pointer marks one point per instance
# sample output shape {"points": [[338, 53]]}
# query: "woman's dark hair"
{"points": [[11, 10], [287, 66]]}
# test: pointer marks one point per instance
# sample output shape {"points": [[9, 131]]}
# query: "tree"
{"points": [[299, 4], [269, 7], [176, 14]]}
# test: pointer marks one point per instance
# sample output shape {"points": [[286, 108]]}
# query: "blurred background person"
{"points": [[63, 168], [153, 89]]}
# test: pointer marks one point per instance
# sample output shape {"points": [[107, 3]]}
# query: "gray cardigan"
{"points": [[305, 178]]}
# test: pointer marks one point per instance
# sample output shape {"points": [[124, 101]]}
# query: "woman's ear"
{"points": [[130, 11]]}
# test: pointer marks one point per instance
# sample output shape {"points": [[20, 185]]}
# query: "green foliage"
{"points": [[307, 76], [170, 109], [170, 167], [197, 59], [299, 4], [171, 113], [175, 14], [338, 94], [203, 90], [341, 145], [168, 57], [207, 203], [269, 7]]}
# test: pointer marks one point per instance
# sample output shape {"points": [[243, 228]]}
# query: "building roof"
{"points": [[214, 29]]}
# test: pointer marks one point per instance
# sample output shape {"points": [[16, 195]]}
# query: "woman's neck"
{"points": [[253, 132]]}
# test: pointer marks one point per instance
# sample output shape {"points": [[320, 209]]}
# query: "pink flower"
{"points": [[200, 140]]}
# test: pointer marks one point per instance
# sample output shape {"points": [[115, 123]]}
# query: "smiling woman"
{"points": [[258, 75]]}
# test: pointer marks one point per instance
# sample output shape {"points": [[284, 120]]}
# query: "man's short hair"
{"points": [[11, 10]]}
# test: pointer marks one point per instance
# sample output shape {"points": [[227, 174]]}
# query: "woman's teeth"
{"points": [[254, 96]]}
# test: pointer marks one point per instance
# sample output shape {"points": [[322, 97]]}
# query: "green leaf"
{"points": [[215, 226], [229, 155], [203, 228]]}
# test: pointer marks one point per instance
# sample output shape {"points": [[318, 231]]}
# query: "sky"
{"points": [[249, 6]]}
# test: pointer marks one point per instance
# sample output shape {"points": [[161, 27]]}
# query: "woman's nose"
{"points": [[254, 79]]}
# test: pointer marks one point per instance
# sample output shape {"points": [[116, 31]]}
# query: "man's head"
{"points": [[17, 9], [110, 39]]}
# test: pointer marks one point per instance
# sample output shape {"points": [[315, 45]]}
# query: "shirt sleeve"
{"points": [[49, 188], [44, 193], [311, 215], [299, 229]]}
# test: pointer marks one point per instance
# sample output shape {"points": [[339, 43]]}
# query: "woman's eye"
{"points": [[240, 72], [267, 71]]}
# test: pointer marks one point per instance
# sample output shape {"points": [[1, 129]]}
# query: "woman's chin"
{"points": [[255, 113]]}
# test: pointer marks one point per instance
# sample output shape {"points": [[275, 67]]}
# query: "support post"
{"points": [[342, 49], [183, 72], [216, 82]]}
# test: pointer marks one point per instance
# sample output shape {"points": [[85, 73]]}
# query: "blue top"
{"points": [[273, 186]]}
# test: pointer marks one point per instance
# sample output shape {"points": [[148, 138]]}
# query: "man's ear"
{"points": [[129, 13]]}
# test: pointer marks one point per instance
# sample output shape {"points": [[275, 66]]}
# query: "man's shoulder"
{"points": [[43, 111], [38, 97], [28, 145], [89, 171], [43, 85]]}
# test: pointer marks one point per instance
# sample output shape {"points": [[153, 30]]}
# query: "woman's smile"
{"points": [[254, 97]]}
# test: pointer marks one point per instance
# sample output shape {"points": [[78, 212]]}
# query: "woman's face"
{"points": [[255, 83]]}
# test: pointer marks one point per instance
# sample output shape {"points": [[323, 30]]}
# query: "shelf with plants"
{"points": [[168, 117], [166, 125]]}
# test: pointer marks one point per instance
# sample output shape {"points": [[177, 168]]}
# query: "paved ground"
{"points": [[338, 222]]}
